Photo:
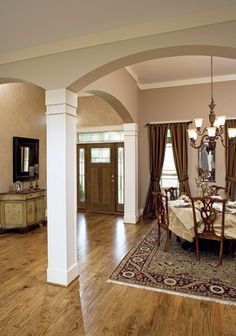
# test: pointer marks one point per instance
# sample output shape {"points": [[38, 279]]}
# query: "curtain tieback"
{"points": [[155, 179], [230, 179], [183, 179]]}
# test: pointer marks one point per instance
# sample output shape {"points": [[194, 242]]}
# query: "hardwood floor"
{"points": [[91, 306]]}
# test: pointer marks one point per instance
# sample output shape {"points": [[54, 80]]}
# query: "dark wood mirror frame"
{"points": [[33, 158]]}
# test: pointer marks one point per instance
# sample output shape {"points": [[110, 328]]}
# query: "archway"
{"points": [[183, 50]]}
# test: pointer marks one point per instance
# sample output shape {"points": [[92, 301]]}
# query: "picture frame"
{"points": [[18, 186]]}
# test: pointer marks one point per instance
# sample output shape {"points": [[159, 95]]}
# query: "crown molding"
{"points": [[184, 82], [132, 73], [197, 19]]}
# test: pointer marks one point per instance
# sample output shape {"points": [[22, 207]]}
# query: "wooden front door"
{"points": [[98, 167], [100, 177]]}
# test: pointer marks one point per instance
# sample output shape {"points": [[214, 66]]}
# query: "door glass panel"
{"points": [[81, 175], [100, 155], [120, 174]]}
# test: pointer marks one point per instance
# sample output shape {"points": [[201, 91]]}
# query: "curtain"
{"points": [[157, 138], [180, 151], [230, 161]]}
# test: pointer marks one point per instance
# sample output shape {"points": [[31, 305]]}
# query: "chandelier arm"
{"points": [[199, 132], [193, 142], [220, 130], [222, 141]]}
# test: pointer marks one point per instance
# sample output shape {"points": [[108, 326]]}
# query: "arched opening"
{"points": [[148, 55]]}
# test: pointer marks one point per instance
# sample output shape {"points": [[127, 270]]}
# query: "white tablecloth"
{"points": [[181, 222]]}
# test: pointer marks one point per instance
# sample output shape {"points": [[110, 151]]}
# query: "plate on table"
{"points": [[180, 204]]}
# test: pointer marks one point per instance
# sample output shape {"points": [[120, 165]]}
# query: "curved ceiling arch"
{"points": [[115, 103], [9, 80], [198, 50]]}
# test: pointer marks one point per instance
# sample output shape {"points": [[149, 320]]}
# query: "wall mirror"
{"points": [[206, 164], [25, 159]]}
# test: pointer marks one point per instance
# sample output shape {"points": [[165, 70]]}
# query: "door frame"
{"points": [[118, 208]]}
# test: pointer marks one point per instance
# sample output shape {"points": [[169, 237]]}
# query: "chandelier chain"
{"points": [[211, 78]]}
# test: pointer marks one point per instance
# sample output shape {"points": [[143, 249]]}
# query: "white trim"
{"points": [[140, 212], [98, 129], [160, 290], [183, 82], [169, 122], [84, 94], [62, 278], [129, 219], [132, 73]]}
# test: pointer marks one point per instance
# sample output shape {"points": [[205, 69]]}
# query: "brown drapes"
{"points": [[230, 160], [157, 137], [180, 151]]}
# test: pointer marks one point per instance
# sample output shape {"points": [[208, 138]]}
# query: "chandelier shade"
{"points": [[210, 134]]}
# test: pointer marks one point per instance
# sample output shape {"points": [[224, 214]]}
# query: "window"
{"points": [[100, 155], [82, 175], [95, 137], [120, 175], [169, 176]]}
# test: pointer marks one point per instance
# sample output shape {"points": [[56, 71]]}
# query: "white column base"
{"points": [[62, 278], [131, 219]]}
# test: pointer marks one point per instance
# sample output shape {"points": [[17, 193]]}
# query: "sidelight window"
{"points": [[82, 174]]}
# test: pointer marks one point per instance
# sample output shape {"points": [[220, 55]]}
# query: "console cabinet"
{"points": [[22, 210]]}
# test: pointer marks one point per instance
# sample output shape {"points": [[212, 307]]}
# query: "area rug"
{"points": [[177, 271]]}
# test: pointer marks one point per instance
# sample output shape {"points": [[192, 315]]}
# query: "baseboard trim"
{"points": [[61, 277], [131, 219]]}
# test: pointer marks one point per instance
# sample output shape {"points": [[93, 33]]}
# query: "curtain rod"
{"points": [[169, 122]]}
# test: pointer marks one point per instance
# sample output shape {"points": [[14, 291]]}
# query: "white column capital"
{"points": [[131, 129], [61, 101]]}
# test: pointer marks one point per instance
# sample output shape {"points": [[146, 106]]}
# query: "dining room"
{"points": [[190, 194]]}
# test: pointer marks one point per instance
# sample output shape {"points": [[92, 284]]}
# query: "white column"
{"points": [[131, 173], [61, 186]]}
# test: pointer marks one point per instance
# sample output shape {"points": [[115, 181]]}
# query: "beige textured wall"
{"points": [[95, 111], [22, 113], [182, 103]]}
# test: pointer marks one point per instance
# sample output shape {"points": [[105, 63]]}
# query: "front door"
{"points": [[100, 178]]}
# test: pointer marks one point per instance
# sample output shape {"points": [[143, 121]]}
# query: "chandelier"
{"points": [[209, 135]]}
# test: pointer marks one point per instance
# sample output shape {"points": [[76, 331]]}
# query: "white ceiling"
{"points": [[25, 23], [182, 70]]}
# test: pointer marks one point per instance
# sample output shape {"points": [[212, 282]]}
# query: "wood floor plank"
{"points": [[91, 306]]}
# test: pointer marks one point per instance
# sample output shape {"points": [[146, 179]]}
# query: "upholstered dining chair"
{"points": [[208, 216], [162, 216], [171, 193]]}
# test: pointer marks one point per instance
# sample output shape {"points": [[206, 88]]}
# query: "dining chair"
{"points": [[162, 216], [208, 216], [171, 193], [215, 190]]}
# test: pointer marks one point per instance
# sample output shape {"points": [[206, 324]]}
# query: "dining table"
{"points": [[182, 224]]}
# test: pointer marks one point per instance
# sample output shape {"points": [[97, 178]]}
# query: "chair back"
{"points": [[215, 190], [171, 193], [161, 209], [208, 216]]}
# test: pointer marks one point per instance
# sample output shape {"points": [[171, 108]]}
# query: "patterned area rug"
{"points": [[177, 271]]}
